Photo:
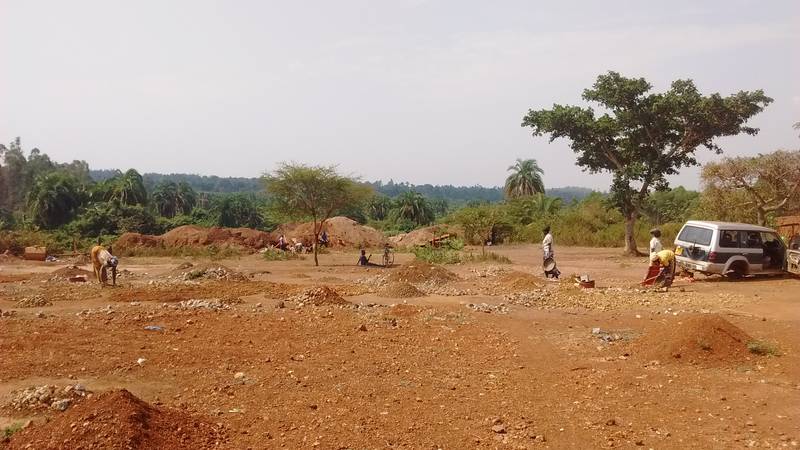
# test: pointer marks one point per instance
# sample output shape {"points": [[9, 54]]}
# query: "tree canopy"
{"points": [[758, 185], [313, 192], [525, 179], [642, 137]]}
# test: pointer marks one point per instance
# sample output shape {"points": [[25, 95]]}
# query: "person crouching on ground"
{"points": [[363, 260], [655, 247], [102, 260], [665, 261]]}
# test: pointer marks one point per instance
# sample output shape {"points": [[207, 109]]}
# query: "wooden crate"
{"points": [[35, 253], [788, 226]]}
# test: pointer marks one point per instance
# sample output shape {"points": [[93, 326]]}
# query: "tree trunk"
{"points": [[762, 216], [316, 240], [630, 239]]}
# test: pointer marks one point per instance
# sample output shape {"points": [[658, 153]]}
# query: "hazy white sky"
{"points": [[421, 90]]}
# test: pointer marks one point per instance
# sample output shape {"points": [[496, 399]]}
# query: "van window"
{"points": [[751, 239], [729, 239], [771, 240], [695, 235]]}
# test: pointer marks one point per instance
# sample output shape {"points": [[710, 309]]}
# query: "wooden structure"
{"points": [[35, 253], [788, 226]]}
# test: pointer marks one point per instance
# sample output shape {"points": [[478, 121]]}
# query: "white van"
{"points": [[731, 249]]}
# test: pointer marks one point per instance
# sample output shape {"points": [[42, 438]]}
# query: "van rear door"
{"points": [[694, 242]]}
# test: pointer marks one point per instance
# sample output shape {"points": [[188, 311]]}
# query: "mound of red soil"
{"points": [[706, 339], [399, 289], [119, 420], [423, 236], [196, 236], [135, 240], [420, 271], [403, 311], [342, 232]]}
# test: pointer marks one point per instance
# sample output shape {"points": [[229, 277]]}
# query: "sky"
{"points": [[425, 91]]}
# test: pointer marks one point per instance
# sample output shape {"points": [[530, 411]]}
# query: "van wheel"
{"points": [[737, 271]]}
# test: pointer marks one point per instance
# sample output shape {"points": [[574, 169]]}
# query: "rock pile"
{"points": [[319, 296], [35, 301], [400, 289], [487, 308], [47, 396]]}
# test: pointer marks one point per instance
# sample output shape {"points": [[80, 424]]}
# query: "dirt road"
{"points": [[240, 355]]}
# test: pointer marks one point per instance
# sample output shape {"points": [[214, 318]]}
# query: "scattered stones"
{"points": [[319, 296], [239, 376], [213, 304], [47, 396], [363, 327], [36, 301], [487, 308]]}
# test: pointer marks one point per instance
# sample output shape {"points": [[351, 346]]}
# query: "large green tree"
{"points": [[54, 199], [525, 179], [412, 206], [313, 192], [127, 189], [642, 137], [761, 185]]}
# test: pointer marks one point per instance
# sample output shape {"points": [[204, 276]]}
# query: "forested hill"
{"points": [[453, 194]]}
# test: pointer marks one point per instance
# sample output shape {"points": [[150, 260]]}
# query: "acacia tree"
{"points": [[313, 192], [478, 222], [764, 184], [643, 137], [525, 179]]}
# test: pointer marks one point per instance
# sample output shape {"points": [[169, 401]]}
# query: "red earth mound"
{"points": [[119, 420], [420, 271], [706, 339], [342, 232], [195, 236], [424, 236]]}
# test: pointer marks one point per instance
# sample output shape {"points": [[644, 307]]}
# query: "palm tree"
{"points": [[378, 207], [54, 199], [544, 205], [412, 206], [525, 179], [128, 189], [185, 198], [165, 198]]}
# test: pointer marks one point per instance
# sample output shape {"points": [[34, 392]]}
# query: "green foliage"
{"points": [[313, 192], [443, 255], [272, 254], [113, 218], [378, 207], [525, 179], [125, 189], [762, 348], [12, 429], [238, 210], [644, 137], [54, 199], [412, 207], [172, 198], [674, 205], [478, 222], [489, 257], [753, 188]]}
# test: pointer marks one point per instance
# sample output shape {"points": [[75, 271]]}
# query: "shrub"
{"points": [[490, 257], [272, 254], [444, 255], [762, 348]]}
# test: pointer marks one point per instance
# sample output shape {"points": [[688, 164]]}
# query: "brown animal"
{"points": [[102, 260]]}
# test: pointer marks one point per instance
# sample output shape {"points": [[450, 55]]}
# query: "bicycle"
{"points": [[388, 257]]}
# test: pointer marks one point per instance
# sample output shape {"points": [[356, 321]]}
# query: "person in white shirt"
{"points": [[655, 242], [547, 243], [548, 254]]}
